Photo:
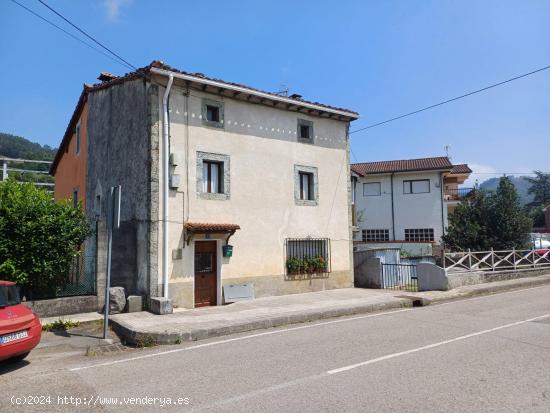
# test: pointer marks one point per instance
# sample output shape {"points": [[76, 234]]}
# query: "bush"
{"points": [[38, 238]]}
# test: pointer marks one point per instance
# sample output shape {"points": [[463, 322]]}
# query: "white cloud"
{"points": [[113, 7], [480, 173]]}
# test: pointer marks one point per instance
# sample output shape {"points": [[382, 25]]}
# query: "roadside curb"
{"points": [[132, 336], [144, 337], [485, 289]]}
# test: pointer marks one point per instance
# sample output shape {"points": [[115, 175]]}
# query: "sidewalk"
{"points": [[262, 313]]}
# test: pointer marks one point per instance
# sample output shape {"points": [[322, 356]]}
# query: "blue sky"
{"points": [[380, 58]]}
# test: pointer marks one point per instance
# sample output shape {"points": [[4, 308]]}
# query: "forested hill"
{"points": [[12, 146], [520, 182], [17, 147]]}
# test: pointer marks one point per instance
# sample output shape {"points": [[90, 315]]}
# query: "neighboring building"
{"points": [[263, 172], [406, 200]]}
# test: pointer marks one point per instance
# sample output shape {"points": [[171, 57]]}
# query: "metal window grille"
{"points": [[373, 235], [419, 234], [308, 256]]}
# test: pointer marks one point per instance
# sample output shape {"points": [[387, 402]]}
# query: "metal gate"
{"points": [[399, 277]]}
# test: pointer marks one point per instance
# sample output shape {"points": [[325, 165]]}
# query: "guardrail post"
{"points": [[514, 258], [492, 259], [4, 170], [533, 257], [469, 259]]}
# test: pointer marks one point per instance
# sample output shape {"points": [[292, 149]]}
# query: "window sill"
{"points": [[306, 202], [213, 196]]}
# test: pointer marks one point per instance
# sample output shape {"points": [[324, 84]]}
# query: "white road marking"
{"points": [[230, 340], [429, 346], [290, 329]]}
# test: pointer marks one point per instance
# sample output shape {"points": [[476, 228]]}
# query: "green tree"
{"points": [[508, 222], [488, 220], [540, 189], [467, 227], [38, 238]]}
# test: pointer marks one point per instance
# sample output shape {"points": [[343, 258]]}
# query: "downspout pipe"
{"points": [[392, 209], [165, 189]]}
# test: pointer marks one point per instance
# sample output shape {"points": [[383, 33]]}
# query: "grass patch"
{"points": [[60, 325], [145, 341]]}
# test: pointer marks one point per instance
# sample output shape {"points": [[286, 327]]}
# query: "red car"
{"points": [[20, 328]]}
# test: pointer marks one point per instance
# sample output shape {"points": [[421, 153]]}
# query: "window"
{"points": [[419, 186], [371, 189], [305, 131], [307, 256], [212, 113], [212, 177], [77, 134], [371, 235], [75, 198], [306, 185], [419, 234]]}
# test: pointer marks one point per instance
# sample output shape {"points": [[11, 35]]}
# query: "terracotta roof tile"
{"points": [[461, 169], [405, 165], [210, 227]]}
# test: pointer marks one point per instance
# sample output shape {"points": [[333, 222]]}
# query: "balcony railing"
{"points": [[457, 194]]}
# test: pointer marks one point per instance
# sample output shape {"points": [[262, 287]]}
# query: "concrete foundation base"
{"points": [[160, 305], [134, 303]]}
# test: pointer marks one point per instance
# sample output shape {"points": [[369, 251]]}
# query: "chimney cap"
{"points": [[106, 76]]}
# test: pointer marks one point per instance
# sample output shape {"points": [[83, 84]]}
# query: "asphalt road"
{"points": [[479, 355]]}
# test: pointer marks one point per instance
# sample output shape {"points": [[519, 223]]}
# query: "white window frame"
{"points": [[375, 235], [408, 186], [419, 234], [365, 184]]}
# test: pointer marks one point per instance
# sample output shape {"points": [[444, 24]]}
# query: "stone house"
{"points": [[222, 184]]}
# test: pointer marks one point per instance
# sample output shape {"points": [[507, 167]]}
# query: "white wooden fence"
{"points": [[496, 260]]}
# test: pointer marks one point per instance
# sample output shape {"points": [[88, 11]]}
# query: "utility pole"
{"points": [[113, 221]]}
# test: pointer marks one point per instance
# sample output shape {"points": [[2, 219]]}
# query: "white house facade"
{"points": [[405, 200]]}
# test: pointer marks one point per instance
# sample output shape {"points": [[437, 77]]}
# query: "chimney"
{"points": [[106, 76]]}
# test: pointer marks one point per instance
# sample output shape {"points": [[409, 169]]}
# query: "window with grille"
{"points": [[307, 255], [419, 234], [370, 235]]}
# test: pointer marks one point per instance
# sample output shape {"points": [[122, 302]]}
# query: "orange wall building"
{"points": [[69, 166]]}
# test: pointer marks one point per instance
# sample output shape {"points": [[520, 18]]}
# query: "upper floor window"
{"points": [[418, 186], [306, 191], [212, 113], [77, 136], [306, 186], [372, 189], [212, 177], [305, 131]]}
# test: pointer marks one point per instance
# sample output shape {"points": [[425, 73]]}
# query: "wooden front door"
{"points": [[206, 273]]}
